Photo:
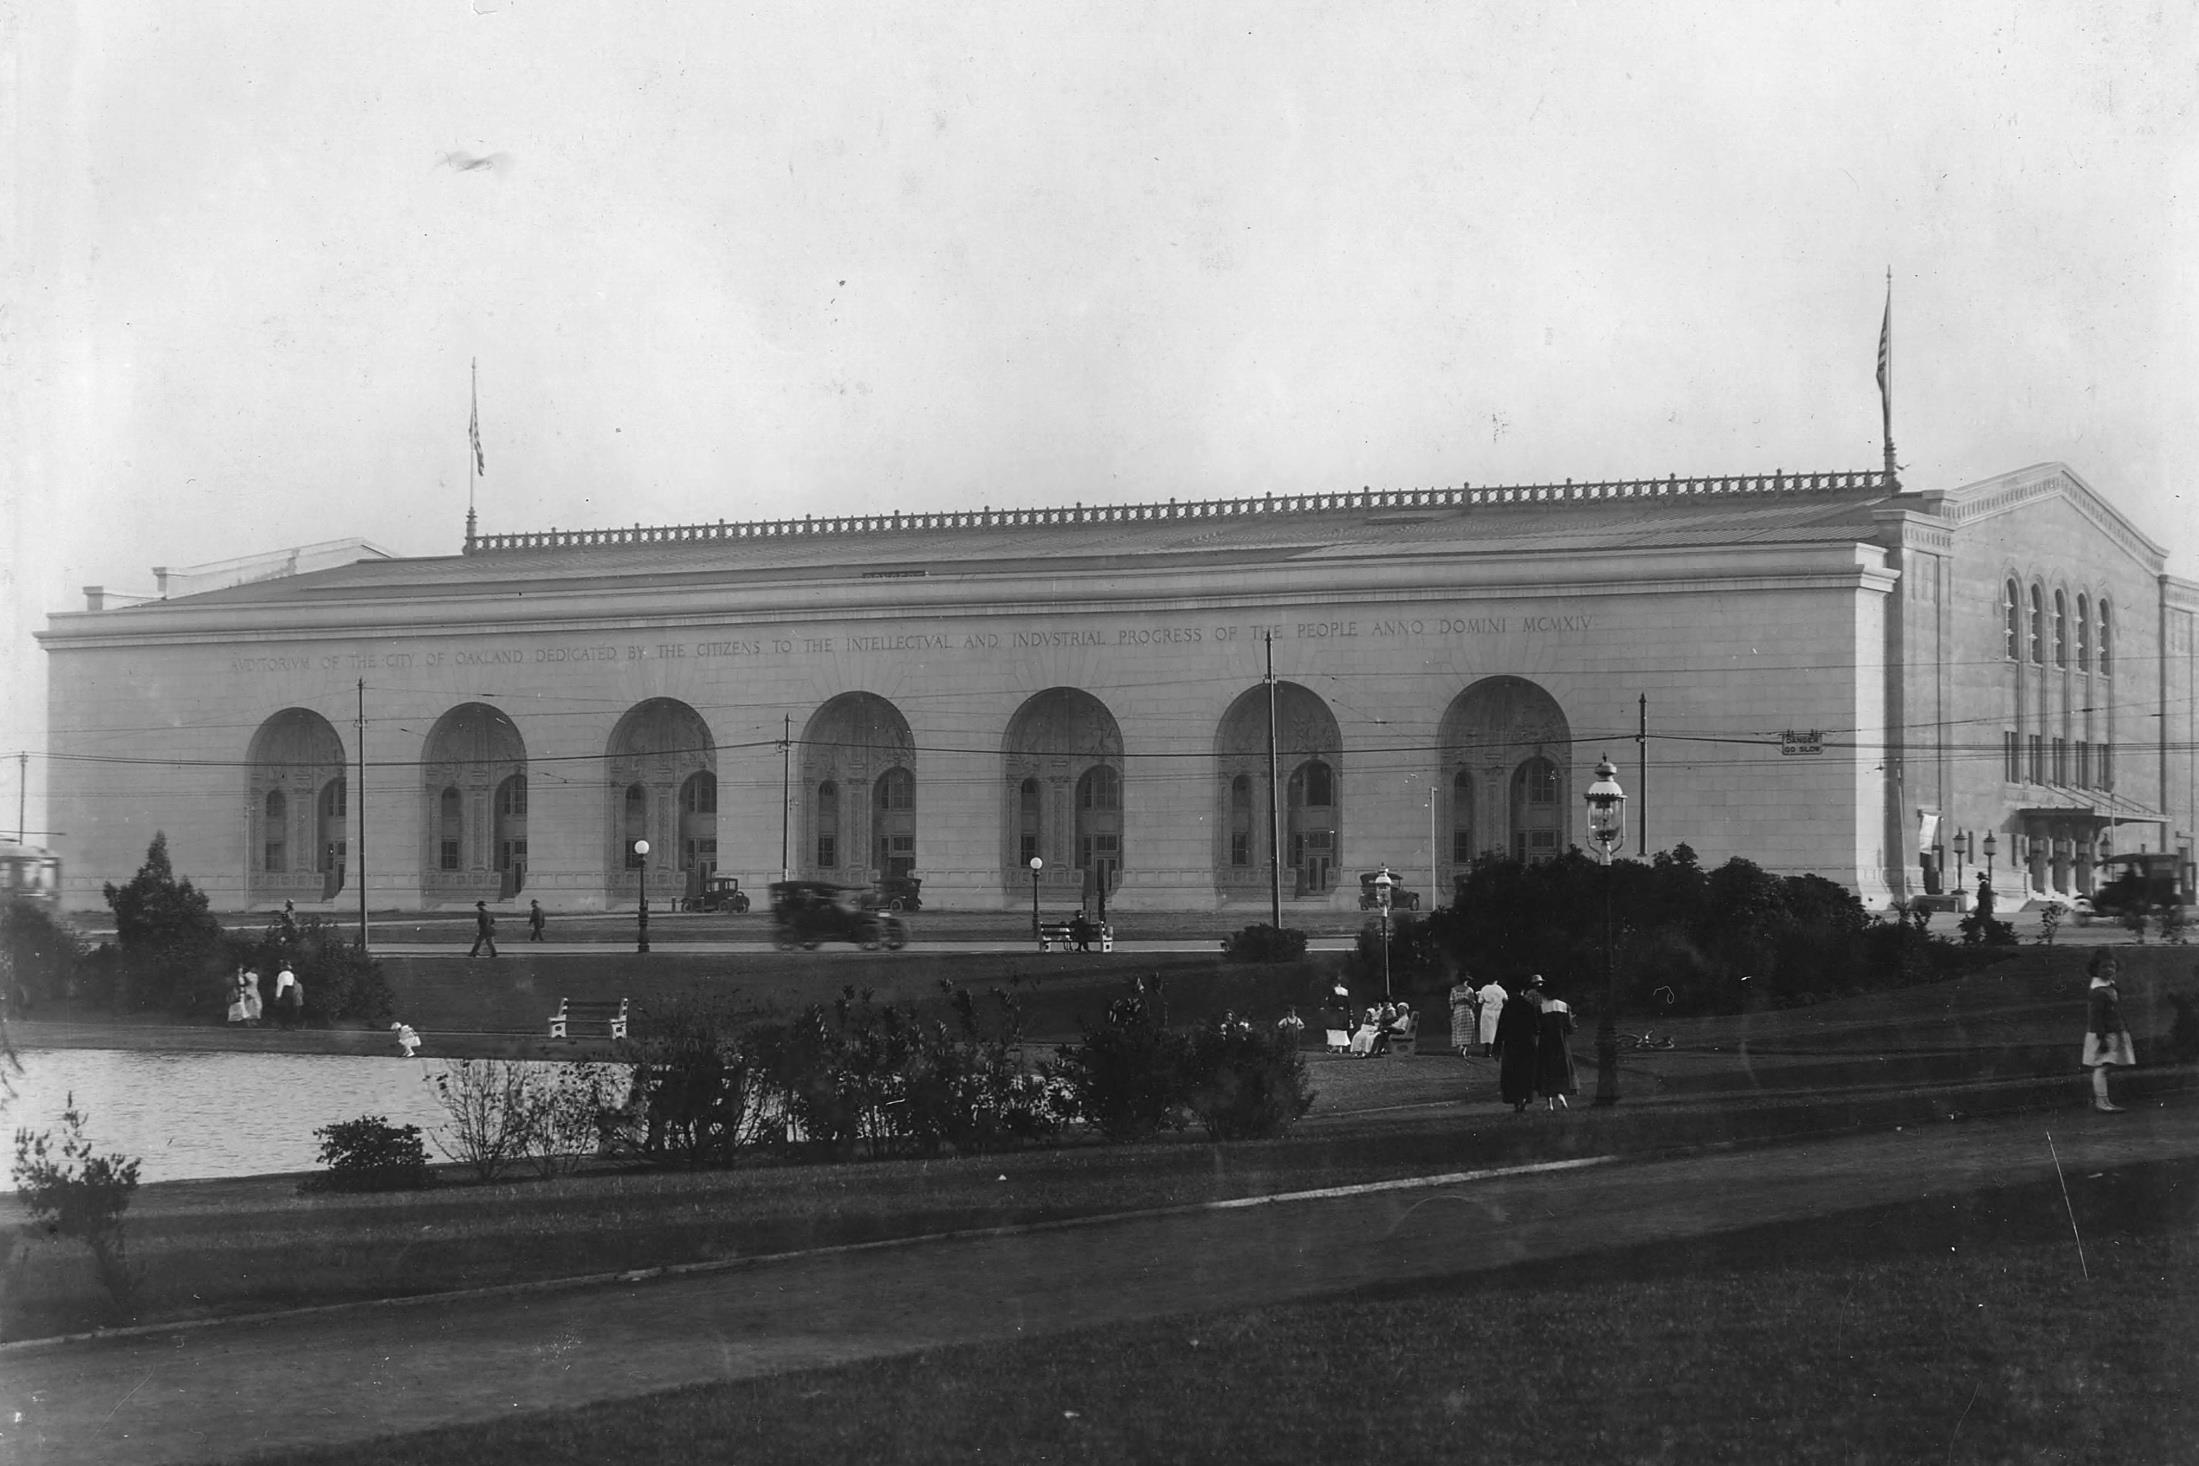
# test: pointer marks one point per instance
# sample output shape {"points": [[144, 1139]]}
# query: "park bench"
{"points": [[1401, 1040], [608, 1012], [1053, 936]]}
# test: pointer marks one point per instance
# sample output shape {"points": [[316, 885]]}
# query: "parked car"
{"points": [[805, 913], [1402, 896], [718, 893], [899, 893]]}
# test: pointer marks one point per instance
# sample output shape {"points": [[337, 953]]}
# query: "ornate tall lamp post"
{"points": [[1383, 881], [1962, 853], [1037, 865], [1606, 829], [1991, 846], [641, 912]]}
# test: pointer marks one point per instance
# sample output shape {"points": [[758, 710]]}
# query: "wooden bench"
{"points": [[1053, 936], [1401, 1040], [610, 1012]]}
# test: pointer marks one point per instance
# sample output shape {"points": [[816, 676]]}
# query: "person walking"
{"points": [[2106, 1041], [1493, 998], [1554, 1074], [1519, 1028], [536, 921], [286, 997], [484, 930], [1465, 1015]]}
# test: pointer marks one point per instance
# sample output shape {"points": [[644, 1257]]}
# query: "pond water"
{"points": [[188, 1116]]}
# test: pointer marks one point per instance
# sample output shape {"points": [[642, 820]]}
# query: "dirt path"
{"points": [[356, 1373]]}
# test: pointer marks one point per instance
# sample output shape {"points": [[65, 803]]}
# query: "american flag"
{"points": [[481, 466], [1886, 345]]}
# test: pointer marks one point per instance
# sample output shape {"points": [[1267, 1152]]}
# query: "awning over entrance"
{"points": [[2054, 801]]}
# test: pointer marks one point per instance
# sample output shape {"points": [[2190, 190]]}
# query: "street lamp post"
{"points": [[1991, 846], [641, 912], [1383, 881], [1606, 828], [1037, 865], [1962, 853]]}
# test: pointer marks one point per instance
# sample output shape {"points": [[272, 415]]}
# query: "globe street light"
{"points": [[1383, 881], [1606, 828], [1991, 845], [641, 913], [1962, 853], [1037, 865]]}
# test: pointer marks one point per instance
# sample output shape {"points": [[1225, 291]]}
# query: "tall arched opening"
{"points": [[858, 792], [295, 808], [1309, 763], [1504, 756], [1064, 786], [473, 777], [651, 793]]}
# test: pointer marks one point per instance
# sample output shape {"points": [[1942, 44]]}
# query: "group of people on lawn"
{"points": [[1528, 1033]]}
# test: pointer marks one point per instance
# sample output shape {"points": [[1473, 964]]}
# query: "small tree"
{"points": [[491, 1114], [170, 941], [80, 1195]]}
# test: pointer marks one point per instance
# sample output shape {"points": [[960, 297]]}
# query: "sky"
{"points": [[733, 262]]}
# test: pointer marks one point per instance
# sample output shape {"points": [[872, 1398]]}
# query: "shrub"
{"points": [[1980, 930], [170, 942], [1262, 943], [370, 1154], [570, 1107], [1245, 1082], [80, 1196], [491, 1113], [1127, 1076], [700, 1095], [38, 954]]}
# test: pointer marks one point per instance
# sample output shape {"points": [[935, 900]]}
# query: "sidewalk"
{"points": [[358, 1372]]}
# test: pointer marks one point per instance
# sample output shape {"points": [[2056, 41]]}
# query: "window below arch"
{"points": [[828, 825], [2061, 629], [634, 825], [1027, 821], [2012, 614], [2038, 625], [450, 829], [275, 834], [1240, 820], [2084, 633]]}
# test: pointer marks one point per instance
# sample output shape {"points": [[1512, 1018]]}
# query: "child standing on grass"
{"points": [[2106, 1041]]}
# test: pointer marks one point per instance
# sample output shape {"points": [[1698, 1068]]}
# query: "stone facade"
{"points": [[945, 697]]}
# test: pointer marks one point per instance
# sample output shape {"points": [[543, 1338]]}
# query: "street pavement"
{"points": [[189, 1394]]}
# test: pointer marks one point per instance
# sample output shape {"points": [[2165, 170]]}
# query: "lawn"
{"points": [[1938, 1331]]}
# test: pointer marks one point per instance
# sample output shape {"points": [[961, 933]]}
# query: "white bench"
{"points": [[1053, 936], [609, 1012]]}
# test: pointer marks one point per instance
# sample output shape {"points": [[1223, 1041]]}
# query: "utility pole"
{"points": [[1641, 782], [359, 815], [1274, 816], [22, 795], [786, 795]]}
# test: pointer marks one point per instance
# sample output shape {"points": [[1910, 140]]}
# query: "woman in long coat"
{"points": [[1554, 1076], [2106, 1041], [1518, 1027]]}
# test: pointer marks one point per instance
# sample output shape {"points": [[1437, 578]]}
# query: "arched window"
{"points": [[634, 824], [1462, 818], [2038, 625], [1027, 821], [1099, 825], [2084, 633], [450, 829], [511, 824], [1240, 820], [334, 799], [2011, 602], [893, 822], [2107, 643], [828, 825], [2061, 629], [699, 822], [274, 834]]}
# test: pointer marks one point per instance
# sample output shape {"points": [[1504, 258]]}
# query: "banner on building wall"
{"points": [[1927, 829]]}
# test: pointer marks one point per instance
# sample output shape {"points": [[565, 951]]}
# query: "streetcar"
{"points": [[28, 873]]}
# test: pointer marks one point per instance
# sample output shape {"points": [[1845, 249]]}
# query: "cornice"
{"points": [[1829, 565]]}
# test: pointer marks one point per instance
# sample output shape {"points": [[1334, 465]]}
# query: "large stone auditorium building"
{"points": [[1815, 671]]}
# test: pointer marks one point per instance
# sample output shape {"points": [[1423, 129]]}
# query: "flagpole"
{"points": [[1886, 379], [473, 463]]}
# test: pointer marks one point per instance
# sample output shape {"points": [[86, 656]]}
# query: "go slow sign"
{"points": [[1795, 741]]}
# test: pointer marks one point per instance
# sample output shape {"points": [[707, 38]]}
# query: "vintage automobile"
{"points": [[1402, 897], [899, 893], [805, 913], [718, 893]]}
